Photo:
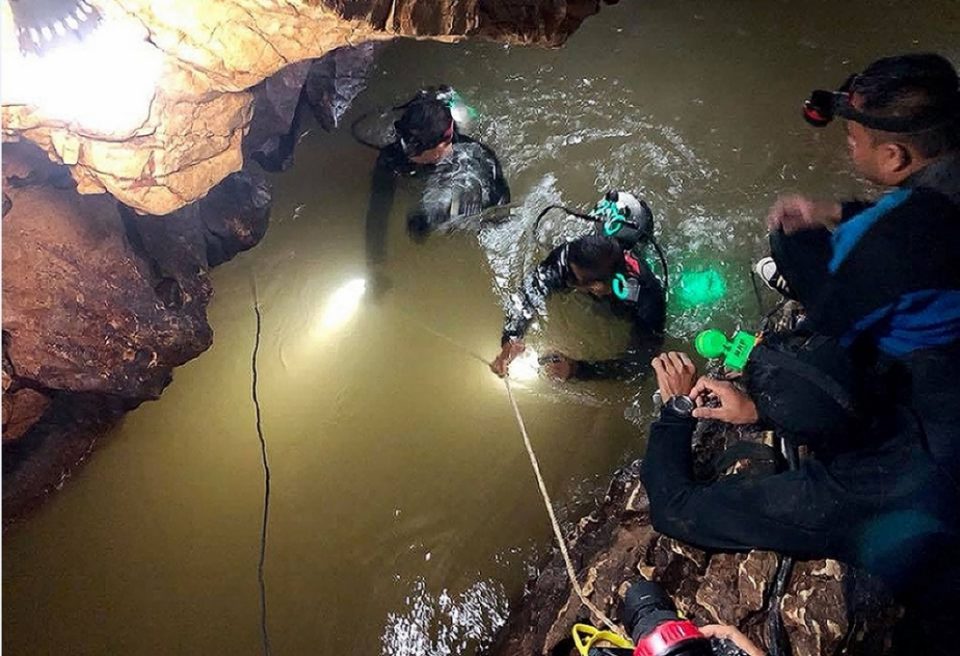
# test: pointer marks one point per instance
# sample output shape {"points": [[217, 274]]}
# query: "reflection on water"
{"points": [[526, 367], [342, 305], [445, 625], [404, 515]]}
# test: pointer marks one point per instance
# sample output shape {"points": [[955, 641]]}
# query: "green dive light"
{"points": [[462, 113], [735, 352]]}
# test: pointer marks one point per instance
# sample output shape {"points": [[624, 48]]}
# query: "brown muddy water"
{"points": [[404, 516]]}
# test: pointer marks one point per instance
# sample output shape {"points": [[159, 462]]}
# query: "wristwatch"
{"points": [[680, 405]]}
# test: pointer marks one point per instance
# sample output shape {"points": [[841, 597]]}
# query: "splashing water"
{"points": [[445, 625]]}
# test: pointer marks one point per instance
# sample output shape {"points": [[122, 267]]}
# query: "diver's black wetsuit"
{"points": [[462, 184], [647, 315]]}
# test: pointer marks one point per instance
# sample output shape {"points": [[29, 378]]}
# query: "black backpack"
{"points": [[805, 385]]}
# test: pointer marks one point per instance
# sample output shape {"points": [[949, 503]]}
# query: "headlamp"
{"points": [[42, 25], [823, 106]]}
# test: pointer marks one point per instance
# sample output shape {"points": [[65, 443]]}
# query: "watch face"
{"points": [[682, 405]]}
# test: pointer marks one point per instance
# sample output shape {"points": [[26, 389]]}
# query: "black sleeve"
{"points": [[912, 248], [501, 190], [795, 512], [382, 192], [549, 277]]}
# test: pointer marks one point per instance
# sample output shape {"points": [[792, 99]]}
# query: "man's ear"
{"points": [[896, 157]]}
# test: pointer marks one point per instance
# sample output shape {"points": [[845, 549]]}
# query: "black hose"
{"points": [[579, 215], [663, 263], [266, 490], [778, 640], [776, 633], [423, 93]]}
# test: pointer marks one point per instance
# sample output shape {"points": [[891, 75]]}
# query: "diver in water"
{"points": [[460, 177], [610, 267]]}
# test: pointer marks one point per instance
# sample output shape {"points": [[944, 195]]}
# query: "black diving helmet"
{"points": [[628, 220], [461, 114], [621, 216]]}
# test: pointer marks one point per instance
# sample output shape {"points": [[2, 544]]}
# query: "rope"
{"points": [[571, 572], [266, 490], [449, 340]]}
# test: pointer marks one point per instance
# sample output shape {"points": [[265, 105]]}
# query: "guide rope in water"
{"points": [[534, 462], [571, 572], [264, 634]]}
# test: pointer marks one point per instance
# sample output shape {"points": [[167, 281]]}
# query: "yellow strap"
{"points": [[595, 635]]}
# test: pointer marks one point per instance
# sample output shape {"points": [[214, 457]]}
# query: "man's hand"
{"points": [[724, 632], [558, 366], [735, 406], [675, 374], [511, 349], [794, 213]]}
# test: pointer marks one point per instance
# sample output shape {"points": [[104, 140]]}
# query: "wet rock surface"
{"points": [[325, 87], [827, 607], [213, 53], [99, 305]]}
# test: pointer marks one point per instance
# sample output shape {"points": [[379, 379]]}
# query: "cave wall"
{"points": [[108, 237], [100, 304], [214, 52]]}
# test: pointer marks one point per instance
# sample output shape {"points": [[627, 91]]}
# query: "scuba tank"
{"points": [[463, 114], [628, 219]]}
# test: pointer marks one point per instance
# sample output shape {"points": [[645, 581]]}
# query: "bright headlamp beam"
{"points": [[342, 305], [105, 83], [43, 25]]}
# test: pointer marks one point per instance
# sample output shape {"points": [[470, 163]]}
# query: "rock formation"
{"points": [[102, 299], [211, 54], [100, 303], [827, 607]]}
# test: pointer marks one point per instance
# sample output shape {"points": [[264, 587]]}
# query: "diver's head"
{"points": [[425, 130], [594, 260], [901, 112]]}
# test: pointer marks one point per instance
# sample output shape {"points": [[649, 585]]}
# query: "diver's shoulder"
{"points": [[923, 210], [470, 144]]}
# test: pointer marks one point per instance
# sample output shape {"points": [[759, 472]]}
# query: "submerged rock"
{"points": [[827, 607]]}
